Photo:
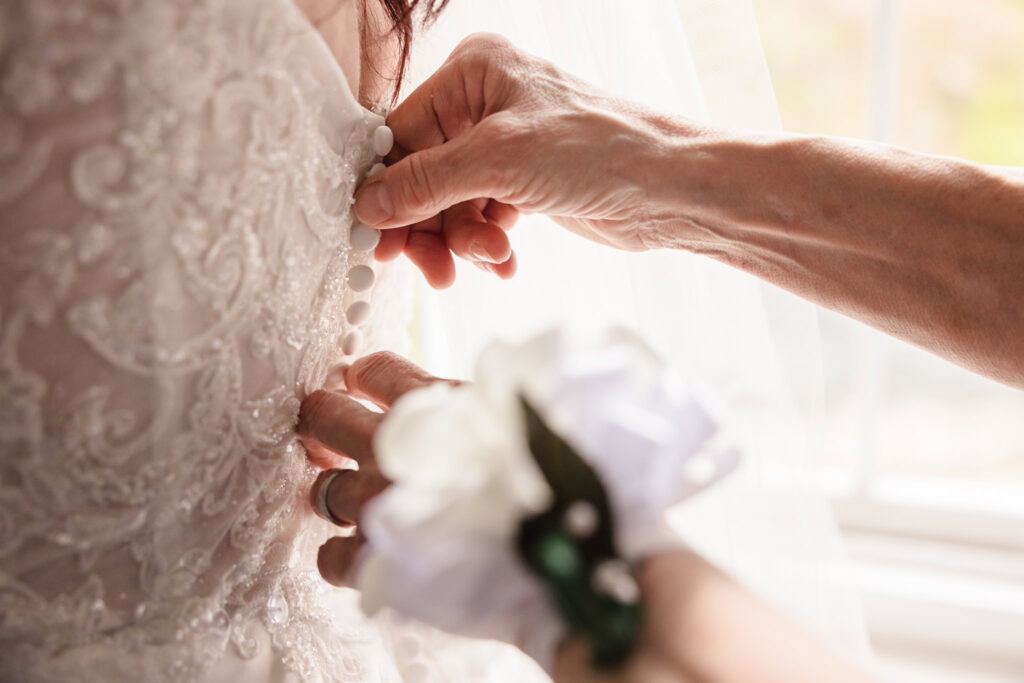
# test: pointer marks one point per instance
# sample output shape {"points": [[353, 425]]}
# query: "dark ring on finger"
{"points": [[321, 508]]}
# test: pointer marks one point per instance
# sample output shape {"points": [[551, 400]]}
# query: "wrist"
{"points": [[690, 591], [704, 616], [716, 188]]}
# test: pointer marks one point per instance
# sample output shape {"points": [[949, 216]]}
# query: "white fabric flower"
{"points": [[441, 540]]}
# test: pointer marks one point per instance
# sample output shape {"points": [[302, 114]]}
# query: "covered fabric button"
{"points": [[358, 313], [362, 238], [375, 169], [351, 343], [383, 140], [361, 278]]}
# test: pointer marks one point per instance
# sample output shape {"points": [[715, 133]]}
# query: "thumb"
{"points": [[423, 184]]}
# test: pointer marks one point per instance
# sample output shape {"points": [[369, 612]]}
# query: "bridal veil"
{"points": [[754, 346]]}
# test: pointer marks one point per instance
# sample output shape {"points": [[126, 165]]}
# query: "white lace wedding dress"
{"points": [[175, 190]]}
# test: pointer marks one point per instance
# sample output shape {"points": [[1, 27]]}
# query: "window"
{"points": [[926, 460]]}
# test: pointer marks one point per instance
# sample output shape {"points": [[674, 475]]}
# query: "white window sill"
{"points": [[942, 587]]}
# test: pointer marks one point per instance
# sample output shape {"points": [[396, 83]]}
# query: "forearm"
{"points": [[702, 627], [925, 248], [721, 633]]}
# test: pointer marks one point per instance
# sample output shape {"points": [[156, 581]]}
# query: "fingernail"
{"points": [[479, 252], [336, 376], [373, 204], [486, 267]]}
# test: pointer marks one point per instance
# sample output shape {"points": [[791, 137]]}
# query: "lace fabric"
{"points": [[175, 190]]}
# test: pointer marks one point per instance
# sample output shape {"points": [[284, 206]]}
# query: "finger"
{"points": [[340, 423], [323, 457], [345, 492], [435, 112], [337, 557], [392, 244], [414, 121], [504, 215], [384, 377], [335, 379], [425, 183], [424, 245], [429, 252], [454, 98], [506, 270], [470, 235]]}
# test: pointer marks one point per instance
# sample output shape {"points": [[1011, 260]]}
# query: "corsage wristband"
{"points": [[520, 501]]}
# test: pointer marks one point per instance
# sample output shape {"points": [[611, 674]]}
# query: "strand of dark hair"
{"points": [[401, 13]]}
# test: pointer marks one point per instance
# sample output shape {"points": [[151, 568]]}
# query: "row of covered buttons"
{"points": [[364, 239]]}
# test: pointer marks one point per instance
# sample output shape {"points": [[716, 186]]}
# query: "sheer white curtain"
{"points": [[754, 346]]}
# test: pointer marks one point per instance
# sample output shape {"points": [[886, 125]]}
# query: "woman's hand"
{"points": [[927, 249], [695, 618], [337, 429], [496, 131]]}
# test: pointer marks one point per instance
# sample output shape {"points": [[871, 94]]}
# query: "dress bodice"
{"points": [[177, 272]]}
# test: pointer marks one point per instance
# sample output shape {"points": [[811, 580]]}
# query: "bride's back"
{"points": [[175, 182]]}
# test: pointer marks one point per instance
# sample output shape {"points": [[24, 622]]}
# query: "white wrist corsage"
{"points": [[519, 502]]}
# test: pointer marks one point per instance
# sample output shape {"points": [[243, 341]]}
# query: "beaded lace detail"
{"points": [[175, 190]]}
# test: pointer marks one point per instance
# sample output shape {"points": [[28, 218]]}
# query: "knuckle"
{"points": [[489, 53], [500, 128], [484, 42], [420, 189], [375, 369]]}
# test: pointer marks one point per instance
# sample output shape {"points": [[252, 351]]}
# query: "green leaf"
{"points": [[566, 563], [571, 479]]}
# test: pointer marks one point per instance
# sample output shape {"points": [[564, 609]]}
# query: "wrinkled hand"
{"points": [[496, 131], [337, 429]]}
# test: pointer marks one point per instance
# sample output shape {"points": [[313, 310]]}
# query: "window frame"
{"points": [[939, 564]]}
